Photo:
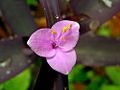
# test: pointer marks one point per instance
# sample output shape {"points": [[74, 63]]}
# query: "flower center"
{"points": [[54, 45]]}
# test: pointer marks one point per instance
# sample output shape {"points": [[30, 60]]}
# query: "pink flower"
{"points": [[57, 45]]}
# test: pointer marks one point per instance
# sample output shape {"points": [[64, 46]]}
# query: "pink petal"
{"points": [[71, 37], [58, 27], [63, 61], [40, 43]]}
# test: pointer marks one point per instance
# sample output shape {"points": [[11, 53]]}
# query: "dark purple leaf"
{"points": [[14, 58], [97, 11], [98, 51], [18, 17]]}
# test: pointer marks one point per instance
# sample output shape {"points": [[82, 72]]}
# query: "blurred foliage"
{"points": [[110, 87], [114, 74], [114, 24], [92, 80], [31, 2], [104, 31], [78, 73], [19, 82], [111, 28]]}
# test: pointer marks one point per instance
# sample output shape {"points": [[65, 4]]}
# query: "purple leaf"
{"points": [[18, 16], [98, 51], [14, 58], [93, 13], [96, 9]]}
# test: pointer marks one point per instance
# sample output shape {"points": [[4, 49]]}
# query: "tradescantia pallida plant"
{"points": [[20, 21]]}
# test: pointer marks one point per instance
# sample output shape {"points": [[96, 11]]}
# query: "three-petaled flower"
{"points": [[57, 44]]}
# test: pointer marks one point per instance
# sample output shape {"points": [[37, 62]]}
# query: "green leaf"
{"points": [[77, 74], [114, 74], [71, 86], [90, 74], [95, 83], [31, 2], [110, 87], [104, 31], [20, 82], [1, 86]]}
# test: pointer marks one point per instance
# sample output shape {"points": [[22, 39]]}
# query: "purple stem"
{"points": [[48, 79], [52, 12]]}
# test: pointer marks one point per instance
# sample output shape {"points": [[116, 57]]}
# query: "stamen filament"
{"points": [[63, 39]]}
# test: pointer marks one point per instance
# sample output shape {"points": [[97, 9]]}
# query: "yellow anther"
{"points": [[54, 32], [64, 29], [69, 26], [63, 39]]}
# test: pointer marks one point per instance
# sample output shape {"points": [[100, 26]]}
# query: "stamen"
{"points": [[66, 28], [54, 32], [69, 26], [63, 39]]}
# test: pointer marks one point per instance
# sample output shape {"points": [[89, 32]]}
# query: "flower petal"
{"points": [[58, 27], [63, 61], [40, 43], [69, 39]]}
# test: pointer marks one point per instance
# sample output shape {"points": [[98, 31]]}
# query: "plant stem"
{"points": [[52, 11], [48, 79]]}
